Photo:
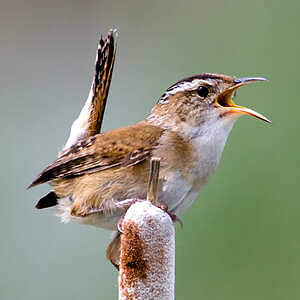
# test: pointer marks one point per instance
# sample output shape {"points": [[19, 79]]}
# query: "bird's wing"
{"points": [[117, 148]]}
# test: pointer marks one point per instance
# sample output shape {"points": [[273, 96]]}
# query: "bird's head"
{"points": [[203, 100]]}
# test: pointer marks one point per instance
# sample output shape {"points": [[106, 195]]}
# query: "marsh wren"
{"points": [[97, 174]]}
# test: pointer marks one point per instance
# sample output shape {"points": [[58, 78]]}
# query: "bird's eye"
{"points": [[202, 91]]}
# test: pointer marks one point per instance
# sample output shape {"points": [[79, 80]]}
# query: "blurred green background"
{"points": [[241, 238]]}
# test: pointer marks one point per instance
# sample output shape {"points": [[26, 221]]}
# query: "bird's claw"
{"points": [[173, 217], [119, 225], [164, 207]]}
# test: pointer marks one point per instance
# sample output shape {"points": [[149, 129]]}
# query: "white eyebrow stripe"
{"points": [[181, 87], [205, 82]]}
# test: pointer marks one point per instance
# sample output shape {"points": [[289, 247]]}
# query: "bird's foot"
{"points": [[173, 216], [125, 204], [119, 225]]}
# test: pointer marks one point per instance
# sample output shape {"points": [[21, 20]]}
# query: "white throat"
{"points": [[209, 141]]}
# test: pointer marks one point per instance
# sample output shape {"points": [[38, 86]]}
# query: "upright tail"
{"points": [[90, 118]]}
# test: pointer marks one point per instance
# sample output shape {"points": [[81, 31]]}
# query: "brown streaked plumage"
{"points": [[96, 176], [90, 119], [122, 147], [104, 65], [112, 160]]}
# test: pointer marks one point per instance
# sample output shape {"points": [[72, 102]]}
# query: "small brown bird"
{"points": [[97, 174]]}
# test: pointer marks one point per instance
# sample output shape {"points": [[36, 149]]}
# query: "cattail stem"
{"points": [[153, 180]]}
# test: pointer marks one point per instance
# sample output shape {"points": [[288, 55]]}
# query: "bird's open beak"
{"points": [[225, 98]]}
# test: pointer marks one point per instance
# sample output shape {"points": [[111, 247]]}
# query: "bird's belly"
{"points": [[186, 202], [174, 191], [190, 196], [106, 221]]}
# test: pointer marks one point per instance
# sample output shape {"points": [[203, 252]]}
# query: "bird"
{"points": [[97, 174]]}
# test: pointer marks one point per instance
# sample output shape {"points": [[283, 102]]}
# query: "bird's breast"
{"points": [[187, 164]]}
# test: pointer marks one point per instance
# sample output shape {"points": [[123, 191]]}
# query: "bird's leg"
{"points": [[124, 204], [119, 225]]}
